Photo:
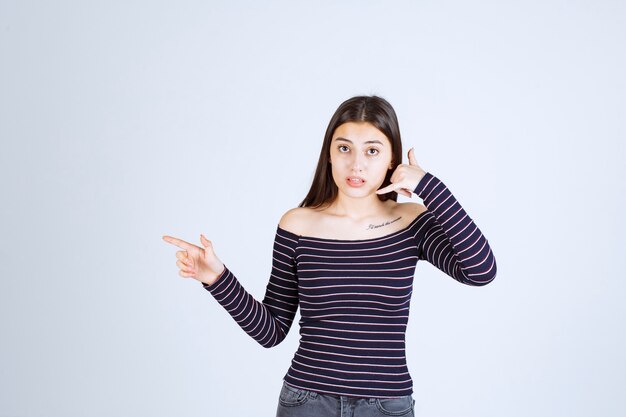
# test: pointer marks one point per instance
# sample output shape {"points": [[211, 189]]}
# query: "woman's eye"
{"points": [[376, 152], [342, 146]]}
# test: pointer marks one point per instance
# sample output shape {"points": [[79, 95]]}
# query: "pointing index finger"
{"points": [[178, 242]]}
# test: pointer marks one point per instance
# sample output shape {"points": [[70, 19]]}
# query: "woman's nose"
{"points": [[358, 164]]}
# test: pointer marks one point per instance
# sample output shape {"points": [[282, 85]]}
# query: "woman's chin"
{"points": [[357, 192]]}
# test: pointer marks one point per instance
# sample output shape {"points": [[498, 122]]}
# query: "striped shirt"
{"points": [[354, 296]]}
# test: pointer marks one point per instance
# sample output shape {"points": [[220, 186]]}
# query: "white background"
{"points": [[124, 121]]}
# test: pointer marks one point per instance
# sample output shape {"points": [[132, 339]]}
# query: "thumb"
{"points": [[412, 160], [205, 242]]}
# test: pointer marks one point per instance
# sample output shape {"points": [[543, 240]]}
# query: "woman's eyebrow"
{"points": [[369, 141]]}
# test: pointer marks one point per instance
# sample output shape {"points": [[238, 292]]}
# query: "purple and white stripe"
{"points": [[354, 296]]}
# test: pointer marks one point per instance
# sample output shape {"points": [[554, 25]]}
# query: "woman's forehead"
{"points": [[359, 132]]}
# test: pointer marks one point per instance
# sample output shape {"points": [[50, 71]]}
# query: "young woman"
{"points": [[347, 256]]}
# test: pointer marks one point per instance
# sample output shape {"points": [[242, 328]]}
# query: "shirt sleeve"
{"points": [[267, 322], [452, 242]]}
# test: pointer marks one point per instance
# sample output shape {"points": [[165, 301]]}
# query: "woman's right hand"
{"points": [[196, 262]]}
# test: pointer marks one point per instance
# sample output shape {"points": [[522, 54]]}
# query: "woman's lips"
{"points": [[355, 181]]}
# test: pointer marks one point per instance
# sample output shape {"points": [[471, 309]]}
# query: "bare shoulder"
{"points": [[296, 219], [306, 221], [412, 210]]}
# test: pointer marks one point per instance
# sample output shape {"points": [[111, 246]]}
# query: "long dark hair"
{"points": [[371, 109]]}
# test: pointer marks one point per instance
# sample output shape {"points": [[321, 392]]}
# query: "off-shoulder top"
{"points": [[354, 296]]}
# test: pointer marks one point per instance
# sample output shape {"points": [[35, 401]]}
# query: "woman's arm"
{"points": [[449, 239], [267, 322]]}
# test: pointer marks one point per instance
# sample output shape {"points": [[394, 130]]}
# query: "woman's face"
{"points": [[360, 157]]}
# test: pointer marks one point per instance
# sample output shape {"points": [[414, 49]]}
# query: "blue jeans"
{"points": [[297, 402]]}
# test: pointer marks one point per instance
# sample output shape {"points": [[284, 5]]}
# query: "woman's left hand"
{"points": [[405, 177]]}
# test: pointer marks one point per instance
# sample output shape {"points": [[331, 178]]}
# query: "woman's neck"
{"points": [[358, 208]]}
